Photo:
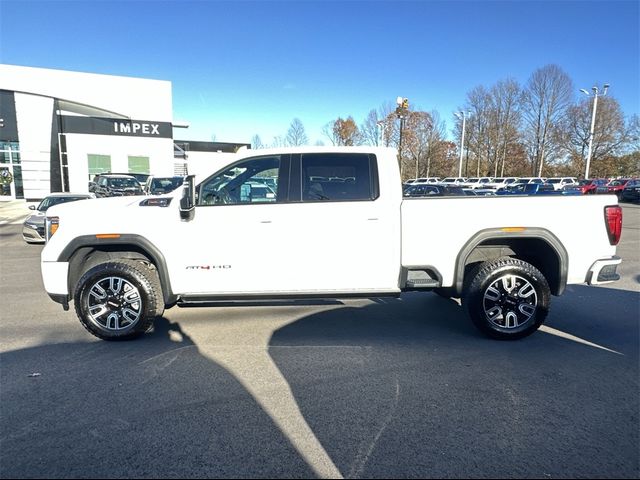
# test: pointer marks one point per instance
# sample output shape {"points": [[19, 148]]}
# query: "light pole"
{"points": [[401, 112], [381, 125], [593, 122], [464, 121]]}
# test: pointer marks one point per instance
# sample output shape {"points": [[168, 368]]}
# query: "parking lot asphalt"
{"points": [[363, 388]]}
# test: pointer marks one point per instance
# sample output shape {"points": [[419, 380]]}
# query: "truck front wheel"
{"points": [[118, 300], [507, 298]]}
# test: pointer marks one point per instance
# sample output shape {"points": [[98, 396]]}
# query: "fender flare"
{"points": [[497, 233], [137, 241]]}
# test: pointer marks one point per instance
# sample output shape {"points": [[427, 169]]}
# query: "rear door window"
{"points": [[336, 177]]}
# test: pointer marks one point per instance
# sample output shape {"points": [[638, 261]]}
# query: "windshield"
{"points": [[554, 180], [166, 184], [51, 201], [123, 183]]}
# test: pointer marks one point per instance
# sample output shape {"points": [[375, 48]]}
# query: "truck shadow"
{"points": [[418, 392], [155, 408]]}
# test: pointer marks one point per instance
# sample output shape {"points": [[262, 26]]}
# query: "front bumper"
{"points": [[55, 279], [33, 233], [604, 271]]}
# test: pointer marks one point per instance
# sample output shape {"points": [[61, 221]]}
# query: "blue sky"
{"points": [[244, 68]]}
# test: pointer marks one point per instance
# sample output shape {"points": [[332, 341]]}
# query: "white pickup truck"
{"points": [[333, 223]]}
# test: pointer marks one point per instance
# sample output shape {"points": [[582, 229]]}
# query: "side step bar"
{"points": [[422, 283], [420, 278]]}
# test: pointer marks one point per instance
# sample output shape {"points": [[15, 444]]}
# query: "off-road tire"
{"points": [[506, 298], [127, 292]]}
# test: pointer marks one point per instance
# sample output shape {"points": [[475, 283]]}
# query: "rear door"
{"points": [[343, 233]]}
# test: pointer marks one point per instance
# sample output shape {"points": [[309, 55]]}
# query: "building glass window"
{"points": [[98, 164], [10, 152], [138, 164]]}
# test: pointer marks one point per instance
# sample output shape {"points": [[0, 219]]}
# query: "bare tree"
{"points": [[612, 135], [296, 135], [369, 129], [505, 97], [416, 139], [256, 143], [545, 100], [278, 142], [480, 143]]}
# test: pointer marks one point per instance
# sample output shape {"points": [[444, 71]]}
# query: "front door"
{"points": [[233, 245]]}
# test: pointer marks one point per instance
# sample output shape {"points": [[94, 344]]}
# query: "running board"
{"points": [[421, 283], [217, 299], [420, 278]]}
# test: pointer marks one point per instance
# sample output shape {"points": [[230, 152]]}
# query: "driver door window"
{"points": [[249, 181]]}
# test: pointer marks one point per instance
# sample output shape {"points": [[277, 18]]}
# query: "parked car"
{"points": [[560, 182], [501, 182], [426, 190], [534, 189], [426, 180], [631, 191], [162, 185], [479, 192], [589, 186], [258, 192], [140, 177], [33, 226], [614, 187], [531, 180], [114, 185], [454, 180], [476, 182]]}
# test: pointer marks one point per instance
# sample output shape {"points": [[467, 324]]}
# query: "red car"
{"points": [[590, 185], [614, 187]]}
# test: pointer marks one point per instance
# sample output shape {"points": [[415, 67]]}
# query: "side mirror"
{"points": [[188, 199], [32, 207], [92, 186]]}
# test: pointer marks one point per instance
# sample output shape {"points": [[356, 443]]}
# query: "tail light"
{"points": [[613, 219]]}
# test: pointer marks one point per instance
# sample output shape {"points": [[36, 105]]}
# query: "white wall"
{"points": [[79, 146], [34, 118], [137, 98]]}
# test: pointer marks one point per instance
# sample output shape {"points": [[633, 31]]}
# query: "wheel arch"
{"points": [[84, 252], [537, 246]]}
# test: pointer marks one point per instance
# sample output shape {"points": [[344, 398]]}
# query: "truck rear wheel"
{"points": [[118, 300], [507, 298]]}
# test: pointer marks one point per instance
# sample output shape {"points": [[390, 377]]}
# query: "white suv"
{"points": [[501, 182], [560, 182]]}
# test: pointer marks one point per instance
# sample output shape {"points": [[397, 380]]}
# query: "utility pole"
{"points": [[463, 116], [593, 122], [401, 112]]}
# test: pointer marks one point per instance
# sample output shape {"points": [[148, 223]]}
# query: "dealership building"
{"points": [[59, 128]]}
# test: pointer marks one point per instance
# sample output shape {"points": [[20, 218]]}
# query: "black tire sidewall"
{"points": [[129, 271], [489, 272]]}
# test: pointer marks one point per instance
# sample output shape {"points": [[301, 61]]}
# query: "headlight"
{"points": [[50, 227]]}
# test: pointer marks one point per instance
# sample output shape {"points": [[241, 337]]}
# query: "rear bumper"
{"points": [[604, 271]]}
